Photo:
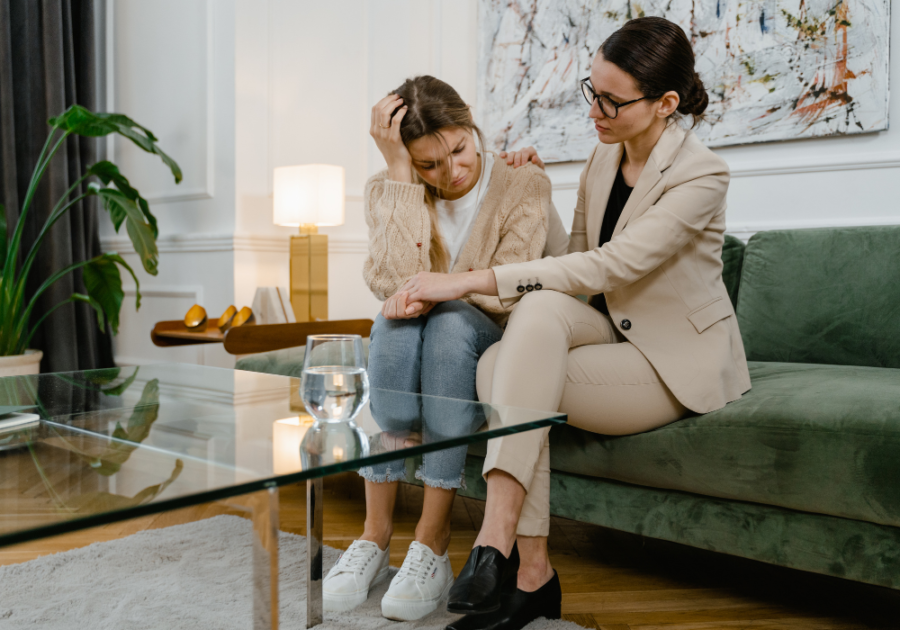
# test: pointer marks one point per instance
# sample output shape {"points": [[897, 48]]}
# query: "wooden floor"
{"points": [[610, 580]]}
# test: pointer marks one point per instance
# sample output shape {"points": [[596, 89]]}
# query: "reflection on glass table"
{"points": [[111, 445]]}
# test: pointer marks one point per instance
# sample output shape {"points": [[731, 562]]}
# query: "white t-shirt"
{"points": [[457, 218]]}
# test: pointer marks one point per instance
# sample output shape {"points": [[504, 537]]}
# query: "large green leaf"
{"points": [[103, 376], [116, 213], [79, 120], [88, 378], [103, 282], [109, 173], [139, 231], [119, 389], [87, 299]]}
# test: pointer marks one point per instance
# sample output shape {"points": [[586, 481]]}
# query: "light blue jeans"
{"points": [[436, 355]]}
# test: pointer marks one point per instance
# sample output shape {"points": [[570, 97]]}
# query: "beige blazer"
{"points": [[662, 270]]}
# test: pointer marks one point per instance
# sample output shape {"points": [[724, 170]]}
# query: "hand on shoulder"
{"points": [[528, 155]]}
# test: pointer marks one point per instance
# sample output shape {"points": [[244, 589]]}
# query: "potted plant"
{"points": [[102, 278]]}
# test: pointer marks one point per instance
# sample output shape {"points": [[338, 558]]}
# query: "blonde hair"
{"points": [[432, 106]]}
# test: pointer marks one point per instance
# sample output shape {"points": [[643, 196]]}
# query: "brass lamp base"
{"points": [[309, 275]]}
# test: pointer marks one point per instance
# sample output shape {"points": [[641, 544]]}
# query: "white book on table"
{"points": [[272, 305]]}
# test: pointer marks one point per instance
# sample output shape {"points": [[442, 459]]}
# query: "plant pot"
{"points": [[18, 364]]}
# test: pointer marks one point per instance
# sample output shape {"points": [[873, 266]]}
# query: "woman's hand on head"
{"points": [[523, 157], [385, 129]]}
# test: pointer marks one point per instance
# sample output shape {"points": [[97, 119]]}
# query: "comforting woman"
{"points": [[658, 339]]}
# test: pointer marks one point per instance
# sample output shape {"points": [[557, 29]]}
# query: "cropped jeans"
{"points": [[435, 355]]}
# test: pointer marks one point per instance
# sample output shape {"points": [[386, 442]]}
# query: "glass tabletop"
{"points": [[106, 445]]}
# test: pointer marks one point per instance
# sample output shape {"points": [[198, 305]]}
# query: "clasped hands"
{"points": [[425, 290]]}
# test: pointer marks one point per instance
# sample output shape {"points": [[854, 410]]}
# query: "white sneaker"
{"points": [[358, 569], [423, 580]]}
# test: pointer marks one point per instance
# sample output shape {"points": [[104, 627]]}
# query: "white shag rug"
{"points": [[192, 576]]}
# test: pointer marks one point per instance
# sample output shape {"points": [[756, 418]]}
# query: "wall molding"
{"points": [[189, 195], [260, 243], [762, 168], [193, 292], [358, 244], [197, 193]]}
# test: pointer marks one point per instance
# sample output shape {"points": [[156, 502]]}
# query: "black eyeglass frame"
{"points": [[587, 86]]}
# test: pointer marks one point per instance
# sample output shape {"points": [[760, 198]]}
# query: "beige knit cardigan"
{"points": [[511, 227]]}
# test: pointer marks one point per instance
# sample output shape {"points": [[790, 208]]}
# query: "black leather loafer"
{"points": [[486, 575], [518, 609]]}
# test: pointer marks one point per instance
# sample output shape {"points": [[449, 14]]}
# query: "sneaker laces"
{"points": [[355, 559], [417, 563]]}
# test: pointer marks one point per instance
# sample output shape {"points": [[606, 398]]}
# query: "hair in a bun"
{"points": [[695, 101], [657, 53]]}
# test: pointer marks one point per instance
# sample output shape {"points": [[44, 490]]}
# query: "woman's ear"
{"points": [[668, 104]]}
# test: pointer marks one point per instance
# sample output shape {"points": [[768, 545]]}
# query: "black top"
{"points": [[618, 197]]}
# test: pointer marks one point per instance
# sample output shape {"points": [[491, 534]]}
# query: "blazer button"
{"points": [[626, 324], [530, 287], [520, 289], [538, 286]]}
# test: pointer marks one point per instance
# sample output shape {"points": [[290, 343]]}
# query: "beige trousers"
{"points": [[558, 353]]}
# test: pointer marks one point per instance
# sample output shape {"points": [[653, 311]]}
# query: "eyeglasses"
{"points": [[609, 107]]}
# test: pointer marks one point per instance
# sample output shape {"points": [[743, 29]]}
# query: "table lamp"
{"points": [[309, 196]]}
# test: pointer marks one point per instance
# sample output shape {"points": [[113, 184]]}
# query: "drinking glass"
{"points": [[334, 384]]}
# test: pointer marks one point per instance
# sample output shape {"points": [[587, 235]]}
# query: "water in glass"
{"points": [[334, 393], [334, 384]]}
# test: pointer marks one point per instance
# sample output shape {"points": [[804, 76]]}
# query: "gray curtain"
{"points": [[47, 57]]}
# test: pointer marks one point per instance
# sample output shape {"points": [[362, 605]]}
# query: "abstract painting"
{"points": [[774, 69]]}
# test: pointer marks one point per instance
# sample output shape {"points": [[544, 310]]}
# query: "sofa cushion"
{"points": [[732, 260], [822, 296], [816, 438]]}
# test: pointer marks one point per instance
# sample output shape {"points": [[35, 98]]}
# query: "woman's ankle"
{"points": [[438, 542], [533, 575], [497, 539], [379, 536]]}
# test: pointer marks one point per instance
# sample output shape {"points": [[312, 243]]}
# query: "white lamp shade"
{"points": [[309, 194]]}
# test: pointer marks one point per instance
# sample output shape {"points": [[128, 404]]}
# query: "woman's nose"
{"points": [[596, 112]]}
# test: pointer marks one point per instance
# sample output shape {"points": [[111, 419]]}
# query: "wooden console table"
{"points": [[253, 338]]}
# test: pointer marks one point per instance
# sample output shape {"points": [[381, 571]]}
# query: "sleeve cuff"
{"points": [[404, 194], [508, 282]]}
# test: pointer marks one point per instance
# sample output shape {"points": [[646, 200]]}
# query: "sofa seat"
{"points": [[816, 438]]}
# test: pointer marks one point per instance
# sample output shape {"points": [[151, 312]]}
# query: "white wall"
{"points": [[176, 77], [234, 88]]}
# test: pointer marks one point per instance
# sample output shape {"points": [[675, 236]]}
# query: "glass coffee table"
{"points": [[108, 445]]}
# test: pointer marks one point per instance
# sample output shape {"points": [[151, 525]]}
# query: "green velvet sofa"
{"points": [[804, 470]]}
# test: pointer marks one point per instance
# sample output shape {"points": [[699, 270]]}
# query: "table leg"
{"points": [[263, 509], [313, 552], [265, 559]]}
